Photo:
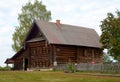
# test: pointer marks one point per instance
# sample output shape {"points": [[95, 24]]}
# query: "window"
{"points": [[97, 55], [85, 52]]}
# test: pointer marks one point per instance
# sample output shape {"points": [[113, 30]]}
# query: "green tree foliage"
{"points": [[29, 12], [110, 37]]}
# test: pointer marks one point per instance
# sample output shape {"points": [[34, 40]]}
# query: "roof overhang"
{"points": [[9, 61]]}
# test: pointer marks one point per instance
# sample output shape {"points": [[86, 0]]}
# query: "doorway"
{"points": [[26, 64]]}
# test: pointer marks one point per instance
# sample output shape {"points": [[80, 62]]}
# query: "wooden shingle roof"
{"points": [[68, 34]]}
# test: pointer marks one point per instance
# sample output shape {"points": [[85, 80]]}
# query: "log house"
{"points": [[49, 43]]}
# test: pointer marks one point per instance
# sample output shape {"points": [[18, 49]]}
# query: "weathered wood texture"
{"points": [[65, 54], [34, 33], [39, 54], [89, 55], [76, 54], [97, 67], [19, 59]]}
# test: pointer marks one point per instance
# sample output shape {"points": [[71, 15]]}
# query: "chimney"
{"points": [[58, 23]]}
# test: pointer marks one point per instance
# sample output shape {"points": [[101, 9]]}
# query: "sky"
{"points": [[86, 13]]}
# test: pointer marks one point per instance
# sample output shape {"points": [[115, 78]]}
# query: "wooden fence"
{"points": [[108, 68]]}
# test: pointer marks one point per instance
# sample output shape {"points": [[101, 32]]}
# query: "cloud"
{"points": [[85, 13], [8, 21]]}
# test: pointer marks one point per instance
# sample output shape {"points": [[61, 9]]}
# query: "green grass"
{"points": [[37, 76]]}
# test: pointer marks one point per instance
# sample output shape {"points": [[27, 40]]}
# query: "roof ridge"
{"points": [[65, 24]]}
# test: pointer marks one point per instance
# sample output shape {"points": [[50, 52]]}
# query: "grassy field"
{"points": [[37, 76]]}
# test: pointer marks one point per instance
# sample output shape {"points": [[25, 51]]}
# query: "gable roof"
{"points": [[68, 34]]}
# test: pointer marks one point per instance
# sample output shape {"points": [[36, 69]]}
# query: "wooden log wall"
{"points": [[39, 54], [18, 63], [89, 55], [63, 54]]}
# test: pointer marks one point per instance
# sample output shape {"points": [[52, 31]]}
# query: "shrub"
{"points": [[6, 68], [70, 67]]}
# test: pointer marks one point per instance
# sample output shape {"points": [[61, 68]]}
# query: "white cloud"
{"points": [[87, 13], [8, 21]]}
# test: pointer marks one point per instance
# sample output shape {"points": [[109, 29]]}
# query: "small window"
{"points": [[85, 52], [97, 54]]}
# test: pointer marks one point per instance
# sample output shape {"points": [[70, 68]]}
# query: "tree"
{"points": [[29, 12], [110, 37]]}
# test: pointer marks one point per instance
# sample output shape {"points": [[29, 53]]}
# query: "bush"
{"points": [[70, 68], [6, 68]]}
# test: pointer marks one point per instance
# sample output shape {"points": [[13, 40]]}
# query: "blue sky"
{"points": [[86, 13]]}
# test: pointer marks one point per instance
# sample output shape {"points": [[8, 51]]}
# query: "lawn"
{"points": [[37, 76]]}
